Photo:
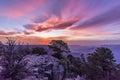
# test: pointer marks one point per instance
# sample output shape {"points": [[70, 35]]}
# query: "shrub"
{"points": [[39, 51]]}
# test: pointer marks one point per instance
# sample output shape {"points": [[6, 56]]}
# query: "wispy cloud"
{"points": [[9, 33], [88, 19], [38, 40], [106, 18], [18, 8], [52, 23]]}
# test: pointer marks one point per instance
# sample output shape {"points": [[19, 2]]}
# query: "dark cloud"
{"points": [[57, 6], [40, 19], [36, 27], [9, 33], [108, 17], [65, 24], [28, 32], [41, 28], [30, 26]]}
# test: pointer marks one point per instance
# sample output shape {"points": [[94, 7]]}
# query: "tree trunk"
{"points": [[64, 74]]}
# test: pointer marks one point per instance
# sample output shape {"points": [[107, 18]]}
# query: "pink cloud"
{"points": [[52, 23], [14, 33], [38, 40], [9, 33], [28, 32], [20, 8]]}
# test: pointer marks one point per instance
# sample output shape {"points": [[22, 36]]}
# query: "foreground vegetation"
{"points": [[99, 65]]}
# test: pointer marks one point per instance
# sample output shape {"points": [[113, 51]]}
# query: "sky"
{"points": [[78, 22]]}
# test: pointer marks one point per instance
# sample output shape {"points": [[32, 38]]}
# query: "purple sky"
{"points": [[83, 22]]}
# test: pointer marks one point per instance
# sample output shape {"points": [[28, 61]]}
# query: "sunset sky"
{"points": [[78, 22]]}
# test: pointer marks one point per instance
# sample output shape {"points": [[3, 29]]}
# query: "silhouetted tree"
{"points": [[58, 56], [65, 64], [59, 46], [1, 48], [24, 48], [12, 62], [70, 57], [75, 66], [102, 60], [39, 51]]}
